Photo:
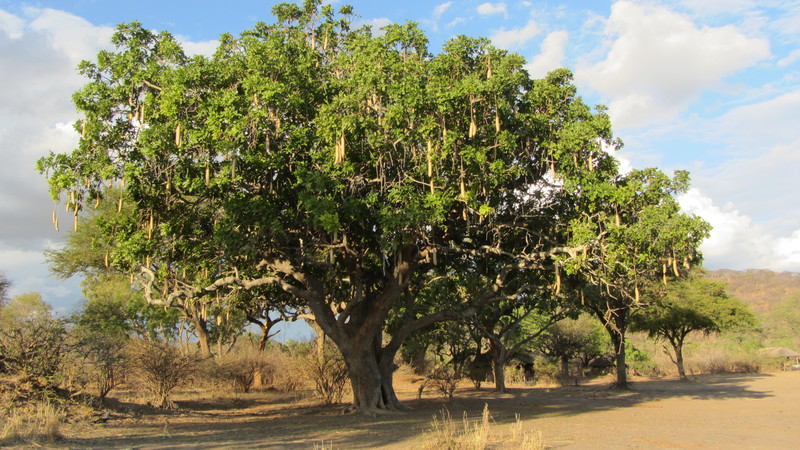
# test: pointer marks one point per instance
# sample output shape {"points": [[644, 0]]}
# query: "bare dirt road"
{"points": [[714, 412]]}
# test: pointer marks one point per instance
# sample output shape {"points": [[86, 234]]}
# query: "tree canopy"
{"points": [[691, 305], [348, 170]]}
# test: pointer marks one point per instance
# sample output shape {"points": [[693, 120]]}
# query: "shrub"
{"points": [[328, 372], [445, 379], [159, 368], [240, 370], [33, 350], [547, 372]]}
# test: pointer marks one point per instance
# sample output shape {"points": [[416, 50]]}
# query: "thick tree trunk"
{"points": [[371, 379]]}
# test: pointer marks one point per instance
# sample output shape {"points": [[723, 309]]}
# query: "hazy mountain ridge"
{"points": [[759, 288]]}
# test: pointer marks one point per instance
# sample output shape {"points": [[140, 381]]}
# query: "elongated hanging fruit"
{"points": [[473, 128], [675, 267], [636, 293], [497, 121], [119, 205], [558, 281], [664, 273], [178, 141], [150, 228], [339, 150], [208, 175], [430, 165]]}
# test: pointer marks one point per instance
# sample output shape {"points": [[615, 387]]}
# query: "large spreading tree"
{"points": [[345, 168]]}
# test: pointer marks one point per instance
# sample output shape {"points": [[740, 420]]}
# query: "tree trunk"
{"points": [[370, 377], [499, 356], [565, 366], [201, 330], [319, 339], [618, 339], [678, 348]]}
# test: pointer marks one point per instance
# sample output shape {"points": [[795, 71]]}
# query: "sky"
{"points": [[709, 86]]}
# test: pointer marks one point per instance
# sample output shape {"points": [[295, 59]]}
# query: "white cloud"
{"points": [[789, 59], [455, 22], [659, 61], [737, 242], [707, 8], [486, 9], [551, 55], [11, 25], [204, 48], [515, 38], [70, 35], [441, 9]]}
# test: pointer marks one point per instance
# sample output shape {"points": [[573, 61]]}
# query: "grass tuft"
{"points": [[477, 434], [33, 423]]}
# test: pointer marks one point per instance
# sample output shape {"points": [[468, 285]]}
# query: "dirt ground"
{"points": [[728, 411]]}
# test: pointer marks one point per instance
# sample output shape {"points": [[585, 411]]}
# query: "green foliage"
{"points": [[693, 304], [32, 343], [579, 338]]}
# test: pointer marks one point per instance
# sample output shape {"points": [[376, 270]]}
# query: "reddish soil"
{"points": [[728, 411]]}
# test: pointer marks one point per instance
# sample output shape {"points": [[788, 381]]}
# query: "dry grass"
{"points": [[33, 423], [445, 433]]}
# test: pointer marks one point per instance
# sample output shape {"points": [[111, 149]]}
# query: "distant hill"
{"points": [[759, 288]]}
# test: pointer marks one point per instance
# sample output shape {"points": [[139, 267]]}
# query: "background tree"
{"points": [[692, 304], [32, 342], [568, 339], [510, 326], [638, 236]]}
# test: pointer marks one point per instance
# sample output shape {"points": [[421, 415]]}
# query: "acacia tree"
{"points": [[343, 168], [692, 304], [639, 236]]}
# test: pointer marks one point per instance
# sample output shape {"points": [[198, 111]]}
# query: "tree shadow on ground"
{"points": [[281, 425]]}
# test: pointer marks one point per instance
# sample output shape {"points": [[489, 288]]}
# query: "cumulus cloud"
{"points": [[11, 25], [551, 55], [516, 37], [659, 61], [486, 9], [736, 242]]}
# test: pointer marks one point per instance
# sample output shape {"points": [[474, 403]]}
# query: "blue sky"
{"points": [[712, 86]]}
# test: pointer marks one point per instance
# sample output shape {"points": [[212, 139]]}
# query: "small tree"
{"points": [[32, 343], [160, 368], [691, 305]]}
